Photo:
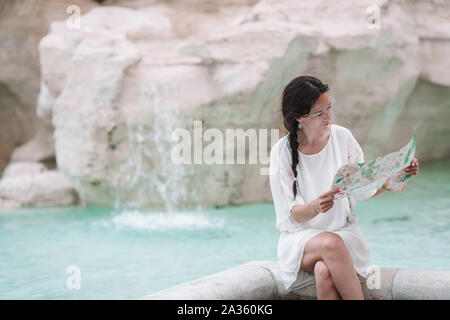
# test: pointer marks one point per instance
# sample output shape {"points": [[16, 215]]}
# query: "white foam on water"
{"points": [[161, 221]]}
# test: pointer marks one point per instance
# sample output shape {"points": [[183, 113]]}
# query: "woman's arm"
{"points": [[323, 203], [304, 212]]}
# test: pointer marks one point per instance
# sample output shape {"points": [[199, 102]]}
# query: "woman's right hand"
{"points": [[325, 201]]}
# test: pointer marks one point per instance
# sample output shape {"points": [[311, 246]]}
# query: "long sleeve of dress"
{"points": [[281, 181], [355, 154]]}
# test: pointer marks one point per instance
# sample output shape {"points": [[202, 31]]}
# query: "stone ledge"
{"points": [[259, 280]]}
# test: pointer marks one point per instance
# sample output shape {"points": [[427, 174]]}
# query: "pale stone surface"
{"points": [[260, 280], [16, 169], [379, 289], [22, 25], [39, 148], [434, 59], [48, 188], [244, 282], [410, 284]]}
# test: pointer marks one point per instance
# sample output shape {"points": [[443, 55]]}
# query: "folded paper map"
{"points": [[360, 177]]}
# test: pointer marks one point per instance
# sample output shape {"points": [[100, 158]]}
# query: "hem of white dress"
{"points": [[293, 276], [289, 278]]}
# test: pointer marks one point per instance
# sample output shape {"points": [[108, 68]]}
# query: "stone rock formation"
{"points": [[22, 25], [116, 88], [29, 184]]}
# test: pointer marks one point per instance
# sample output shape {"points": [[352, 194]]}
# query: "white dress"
{"points": [[315, 175]]}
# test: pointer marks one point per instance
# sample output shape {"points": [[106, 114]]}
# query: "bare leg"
{"points": [[330, 248], [324, 283]]}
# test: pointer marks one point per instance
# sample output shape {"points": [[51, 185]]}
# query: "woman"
{"points": [[319, 237]]}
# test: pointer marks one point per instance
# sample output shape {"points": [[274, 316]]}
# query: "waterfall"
{"points": [[148, 177]]}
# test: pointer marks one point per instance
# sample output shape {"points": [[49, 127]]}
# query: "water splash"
{"points": [[163, 221]]}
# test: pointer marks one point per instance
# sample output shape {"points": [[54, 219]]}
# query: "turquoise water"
{"points": [[130, 254]]}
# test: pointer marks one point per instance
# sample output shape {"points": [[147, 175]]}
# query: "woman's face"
{"points": [[319, 118]]}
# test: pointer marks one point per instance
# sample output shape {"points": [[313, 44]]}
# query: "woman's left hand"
{"points": [[413, 169]]}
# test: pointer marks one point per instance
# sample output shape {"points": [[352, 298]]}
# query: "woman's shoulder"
{"points": [[281, 144], [282, 149], [341, 132]]}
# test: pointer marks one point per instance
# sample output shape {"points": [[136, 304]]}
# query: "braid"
{"points": [[294, 147], [298, 97]]}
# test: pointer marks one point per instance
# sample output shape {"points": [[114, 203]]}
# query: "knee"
{"points": [[321, 271], [333, 245]]}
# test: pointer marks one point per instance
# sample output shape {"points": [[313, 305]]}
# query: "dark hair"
{"points": [[298, 98]]}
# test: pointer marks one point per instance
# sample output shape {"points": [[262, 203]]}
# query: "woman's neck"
{"points": [[306, 139]]}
